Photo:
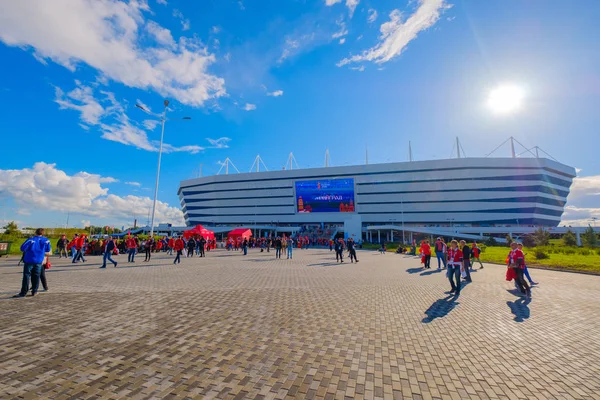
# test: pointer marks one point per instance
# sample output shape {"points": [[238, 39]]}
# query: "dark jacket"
{"points": [[466, 252]]}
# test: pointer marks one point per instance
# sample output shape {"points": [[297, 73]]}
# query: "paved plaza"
{"points": [[233, 327]]}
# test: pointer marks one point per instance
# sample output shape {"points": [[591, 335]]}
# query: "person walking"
{"points": [[80, 246], [131, 244], [516, 261], [202, 246], [73, 246], [178, 246], [148, 248], [440, 252], [455, 260], [278, 247], [290, 247], [426, 248], [476, 252], [43, 280], [35, 250], [525, 270], [466, 250], [245, 246], [61, 246], [339, 250], [352, 250], [191, 245], [170, 244], [109, 248]]}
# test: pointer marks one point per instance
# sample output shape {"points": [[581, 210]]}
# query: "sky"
{"points": [[270, 77]]}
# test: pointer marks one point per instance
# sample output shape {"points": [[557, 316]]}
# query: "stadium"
{"points": [[471, 195]]}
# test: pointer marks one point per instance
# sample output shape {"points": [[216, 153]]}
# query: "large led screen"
{"points": [[326, 195]]}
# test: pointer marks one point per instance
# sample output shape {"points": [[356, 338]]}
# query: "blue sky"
{"points": [[273, 76]]}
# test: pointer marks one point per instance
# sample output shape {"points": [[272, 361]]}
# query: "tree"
{"points": [[528, 241], [541, 237], [491, 241], [589, 237], [569, 239], [509, 240], [11, 228]]}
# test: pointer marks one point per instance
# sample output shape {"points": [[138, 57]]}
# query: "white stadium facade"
{"points": [[468, 194]]}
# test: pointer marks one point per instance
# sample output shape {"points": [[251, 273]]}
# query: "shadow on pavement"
{"points": [[430, 272], [520, 309], [440, 308], [414, 270]]}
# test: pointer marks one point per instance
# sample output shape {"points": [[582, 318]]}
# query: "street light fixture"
{"points": [[163, 119]]}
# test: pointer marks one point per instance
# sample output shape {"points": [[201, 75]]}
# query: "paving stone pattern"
{"points": [[234, 327]]}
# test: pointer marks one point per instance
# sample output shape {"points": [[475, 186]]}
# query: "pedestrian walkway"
{"points": [[229, 326]]}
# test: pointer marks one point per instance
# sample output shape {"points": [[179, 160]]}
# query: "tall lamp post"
{"points": [[163, 119]]}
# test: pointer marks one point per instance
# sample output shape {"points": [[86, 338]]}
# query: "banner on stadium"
{"points": [[325, 195]]}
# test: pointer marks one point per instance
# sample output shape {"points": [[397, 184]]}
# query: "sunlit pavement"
{"points": [[230, 326]]}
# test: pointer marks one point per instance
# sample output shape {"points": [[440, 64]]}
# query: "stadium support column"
{"points": [[379, 236], [392, 235]]}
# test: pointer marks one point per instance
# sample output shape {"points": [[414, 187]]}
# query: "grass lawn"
{"points": [[559, 256]]}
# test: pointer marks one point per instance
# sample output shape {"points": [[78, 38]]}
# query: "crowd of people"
{"points": [[458, 257]]}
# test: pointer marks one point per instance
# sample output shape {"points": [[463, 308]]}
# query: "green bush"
{"points": [[569, 239], [528, 241], [590, 239], [569, 252], [585, 252], [540, 254]]}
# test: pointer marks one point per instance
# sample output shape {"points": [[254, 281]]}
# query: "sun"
{"points": [[506, 98]]}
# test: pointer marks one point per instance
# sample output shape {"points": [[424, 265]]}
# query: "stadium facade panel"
{"points": [[465, 191]]}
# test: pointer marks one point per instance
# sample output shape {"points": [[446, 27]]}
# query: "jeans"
{"points": [[353, 255], [441, 256], [148, 254], [107, 256], [130, 255], [454, 274], [526, 273], [178, 258], [245, 250], [62, 251], [290, 249], [73, 253], [427, 260], [170, 251], [33, 272], [43, 278], [278, 252], [79, 256], [467, 267], [339, 255]]}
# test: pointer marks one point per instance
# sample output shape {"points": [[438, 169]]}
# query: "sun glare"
{"points": [[506, 98]]}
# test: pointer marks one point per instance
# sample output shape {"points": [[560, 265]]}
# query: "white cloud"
{"points": [[163, 2], [580, 216], [81, 99], [137, 184], [85, 223], [110, 117], [160, 34], [342, 40], [585, 186], [396, 33], [108, 36], [372, 15], [289, 47], [351, 4], [275, 93], [342, 32], [151, 124], [46, 188], [220, 143], [359, 69], [216, 29], [249, 107], [185, 23]]}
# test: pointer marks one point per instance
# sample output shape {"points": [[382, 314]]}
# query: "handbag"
{"points": [[47, 265]]}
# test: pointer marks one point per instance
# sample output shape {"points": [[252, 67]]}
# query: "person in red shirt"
{"points": [[170, 245], [178, 246], [426, 249], [80, 246], [455, 261], [516, 261], [131, 248]]}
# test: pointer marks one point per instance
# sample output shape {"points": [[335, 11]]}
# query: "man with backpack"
{"points": [[34, 250], [440, 252]]}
